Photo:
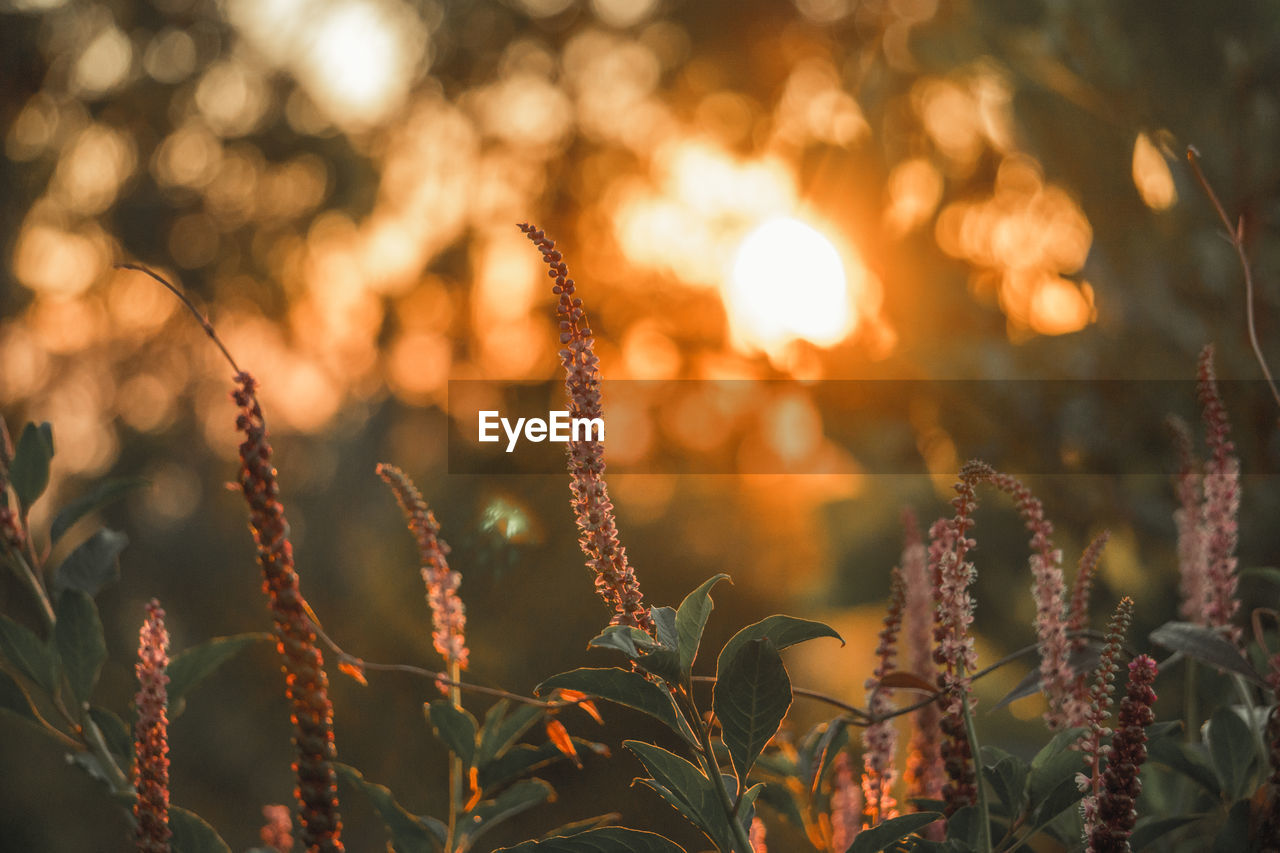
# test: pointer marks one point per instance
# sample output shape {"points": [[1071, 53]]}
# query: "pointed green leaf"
{"points": [[1231, 746], [524, 758], [78, 638], [780, 798], [192, 835], [28, 653], [13, 700], [1059, 743], [578, 827], [1151, 829], [628, 639], [610, 839], [747, 804], [665, 664], [664, 627], [101, 495], [691, 619], [1205, 644], [29, 472], [1051, 784], [115, 732], [455, 727], [782, 631], [962, 827], [686, 789], [1235, 834], [891, 831], [751, 696], [625, 688], [501, 730], [191, 666], [517, 799], [819, 748], [1185, 759], [93, 564], [408, 834]]}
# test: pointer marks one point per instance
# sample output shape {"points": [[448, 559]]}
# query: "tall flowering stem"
{"points": [[448, 614], [151, 748], [955, 653], [1078, 616], [924, 772], [1057, 678], [1091, 743], [615, 579], [880, 739], [1188, 519], [1121, 786], [846, 805], [306, 684], [1221, 504]]}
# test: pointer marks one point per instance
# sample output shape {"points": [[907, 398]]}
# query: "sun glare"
{"points": [[788, 282]]}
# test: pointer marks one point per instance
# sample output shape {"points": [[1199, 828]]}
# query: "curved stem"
{"points": [[1236, 235], [37, 588]]}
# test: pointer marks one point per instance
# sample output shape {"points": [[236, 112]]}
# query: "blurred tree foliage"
{"points": [[338, 180]]}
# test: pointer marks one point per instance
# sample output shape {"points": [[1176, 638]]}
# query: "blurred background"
{"points": [[815, 189]]}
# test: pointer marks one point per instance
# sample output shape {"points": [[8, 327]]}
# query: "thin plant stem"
{"points": [[1236, 236], [455, 763], [1190, 709], [37, 588], [984, 818], [120, 783]]}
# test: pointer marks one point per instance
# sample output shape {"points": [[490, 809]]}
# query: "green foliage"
{"points": [[191, 666], [93, 564], [752, 695], [888, 833], [29, 472], [1205, 644], [191, 834], [607, 840], [80, 643], [100, 496], [31, 655], [409, 834]]}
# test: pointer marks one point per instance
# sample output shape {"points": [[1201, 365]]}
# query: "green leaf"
{"points": [[93, 564], [686, 789], [192, 666], [1082, 660], [1184, 759], [691, 619], [962, 827], [1151, 829], [1051, 785], [751, 696], [192, 835], [664, 627], [610, 839], [891, 831], [1006, 775], [115, 732], [578, 827], [780, 798], [1231, 746], [408, 834], [625, 688], [1058, 744], [456, 728], [28, 653], [782, 631], [820, 747], [1205, 644], [13, 700], [519, 798], [1234, 835], [628, 639], [104, 494], [747, 803], [524, 758], [501, 730], [78, 638], [29, 472], [1271, 574]]}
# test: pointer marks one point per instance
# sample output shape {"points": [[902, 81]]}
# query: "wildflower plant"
{"points": [[729, 766]]}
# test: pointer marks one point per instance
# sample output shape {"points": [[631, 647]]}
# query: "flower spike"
{"points": [[615, 579], [151, 748]]}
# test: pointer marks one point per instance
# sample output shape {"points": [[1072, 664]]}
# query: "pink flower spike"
{"points": [[924, 773], [615, 579], [846, 805], [1188, 518], [1116, 813], [1049, 590], [448, 614], [151, 762], [880, 739], [1078, 619], [1221, 505], [277, 832], [1091, 742], [756, 836]]}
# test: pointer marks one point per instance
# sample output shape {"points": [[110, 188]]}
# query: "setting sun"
{"points": [[788, 282]]}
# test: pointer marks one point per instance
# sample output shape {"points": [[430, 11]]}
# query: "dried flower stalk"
{"points": [[880, 739]]}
